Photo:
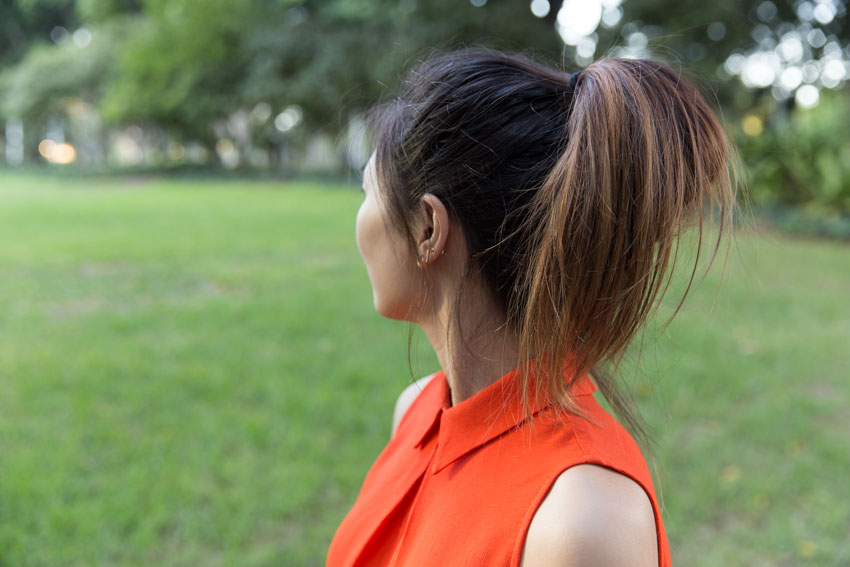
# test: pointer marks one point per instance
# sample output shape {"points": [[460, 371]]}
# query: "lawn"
{"points": [[191, 373]]}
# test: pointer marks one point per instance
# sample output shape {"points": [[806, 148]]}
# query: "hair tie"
{"points": [[574, 80]]}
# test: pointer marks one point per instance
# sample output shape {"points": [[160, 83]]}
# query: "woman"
{"points": [[527, 220]]}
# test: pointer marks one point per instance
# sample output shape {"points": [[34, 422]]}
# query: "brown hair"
{"points": [[571, 195]]}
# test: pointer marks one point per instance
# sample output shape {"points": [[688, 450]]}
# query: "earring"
{"points": [[429, 256], [420, 262]]}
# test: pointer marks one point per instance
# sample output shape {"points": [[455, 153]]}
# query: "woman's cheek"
{"points": [[366, 237]]}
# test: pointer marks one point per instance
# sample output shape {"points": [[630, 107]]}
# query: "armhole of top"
{"points": [[519, 546], [406, 399]]}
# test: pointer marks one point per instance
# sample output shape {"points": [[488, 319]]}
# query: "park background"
{"points": [[191, 371]]}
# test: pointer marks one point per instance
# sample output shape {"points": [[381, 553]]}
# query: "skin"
{"points": [[592, 516], [424, 294]]}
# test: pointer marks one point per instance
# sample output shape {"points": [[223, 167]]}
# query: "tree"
{"points": [[24, 24], [726, 39], [186, 66], [180, 66]]}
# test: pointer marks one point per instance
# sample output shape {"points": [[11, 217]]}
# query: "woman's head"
{"points": [[570, 199], [393, 263], [479, 130]]}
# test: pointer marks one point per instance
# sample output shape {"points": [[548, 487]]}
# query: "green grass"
{"points": [[191, 373]]}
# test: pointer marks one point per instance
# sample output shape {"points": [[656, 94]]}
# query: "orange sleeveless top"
{"points": [[459, 485]]}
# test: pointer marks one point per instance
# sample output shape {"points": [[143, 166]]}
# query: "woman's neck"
{"points": [[474, 350]]}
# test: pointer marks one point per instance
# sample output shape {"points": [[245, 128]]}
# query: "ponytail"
{"points": [[644, 155]]}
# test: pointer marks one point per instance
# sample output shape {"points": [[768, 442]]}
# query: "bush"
{"points": [[802, 159]]}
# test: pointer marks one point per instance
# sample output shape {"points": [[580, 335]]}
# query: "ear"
{"points": [[432, 232]]}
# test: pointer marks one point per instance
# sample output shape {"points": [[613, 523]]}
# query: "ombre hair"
{"points": [[571, 196]]}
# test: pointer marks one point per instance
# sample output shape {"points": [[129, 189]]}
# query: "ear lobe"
{"points": [[432, 239]]}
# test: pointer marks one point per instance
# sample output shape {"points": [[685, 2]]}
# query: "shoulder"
{"points": [[593, 516], [407, 397]]}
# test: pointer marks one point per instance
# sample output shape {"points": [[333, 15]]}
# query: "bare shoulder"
{"points": [[407, 397], [592, 516]]}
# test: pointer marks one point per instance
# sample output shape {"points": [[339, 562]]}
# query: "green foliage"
{"points": [[178, 66], [26, 23], [41, 84], [332, 58], [802, 158], [678, 33], [102, 11], [184, 65], [192, 373], [681, 27]]}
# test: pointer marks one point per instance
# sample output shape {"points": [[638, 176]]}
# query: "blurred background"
{"points": [[191, 372], [281, 85]]}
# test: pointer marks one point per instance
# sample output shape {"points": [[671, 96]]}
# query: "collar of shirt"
{"points": [[496, 409]]}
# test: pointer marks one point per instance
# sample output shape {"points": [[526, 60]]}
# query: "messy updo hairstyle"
{"points": [[571, 192]]}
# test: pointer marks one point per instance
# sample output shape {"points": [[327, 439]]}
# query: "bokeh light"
{"points": [[578, 19], [59, 35], [716, 31], [752, 125], [824, 12], [261, 112], [766, 11], [540, 8], [59, 153], [807, 96], [794, 59], [82, 37], [176, 151], [227, 153], [289, 118]]}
